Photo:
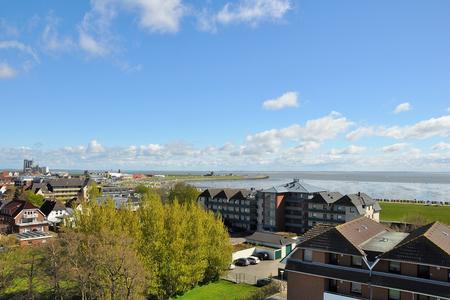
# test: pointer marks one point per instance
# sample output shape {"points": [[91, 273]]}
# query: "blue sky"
{"points": [[179, 84]]}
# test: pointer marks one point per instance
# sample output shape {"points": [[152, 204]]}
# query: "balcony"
{"points": [[434, 288]]}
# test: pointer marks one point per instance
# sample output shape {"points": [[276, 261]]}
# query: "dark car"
{"points": [[242, 262], [262, 255], [263, 282]]}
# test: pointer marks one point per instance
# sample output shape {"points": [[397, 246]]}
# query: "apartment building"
{"points": [[236, 206], [363, 259], [284, 207], [62, 189], [333, 208]]}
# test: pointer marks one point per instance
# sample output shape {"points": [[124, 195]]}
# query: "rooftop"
{"points": [[383, 241], [295, 186]]}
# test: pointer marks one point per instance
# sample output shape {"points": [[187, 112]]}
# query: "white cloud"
{"points": [[402, 107], [95, 147], [90, 45], [151, 149], [6, 71], [442, 146], [352, 149], [288, 99], [25, 62], [158, 15], [394, 147], [316, 130], [253, 11], [95, 36], [422, 130], [16, 45], [52, 41], [250, 12]]}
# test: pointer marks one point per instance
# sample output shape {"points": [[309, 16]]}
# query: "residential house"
{"points": [[24, 219], [55, 211], [363, 259]]}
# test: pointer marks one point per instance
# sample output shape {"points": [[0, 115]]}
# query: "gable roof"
{"points": [[327, 197], [429, 244], [295, 186], [345, 238], [360, 201], [227, 193], [14, 207], [49, 205]]}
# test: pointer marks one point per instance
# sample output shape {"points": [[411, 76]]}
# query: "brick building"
{"points": [[363, 259]]}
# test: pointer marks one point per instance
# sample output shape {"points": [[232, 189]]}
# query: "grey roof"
{"points": [[228, 193], [328, 197], [269, 238], [360, 201], [384, 241], [295, 186]]}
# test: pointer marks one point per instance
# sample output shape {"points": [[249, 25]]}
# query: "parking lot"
{"points": [[250, 274]]}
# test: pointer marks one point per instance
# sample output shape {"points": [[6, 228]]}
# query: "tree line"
{"points": [[159, 251]]}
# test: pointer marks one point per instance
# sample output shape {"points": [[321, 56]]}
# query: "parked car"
{"points": [[263, 282], [231, 267], [242, 262], [262, 255], [253, 260]]}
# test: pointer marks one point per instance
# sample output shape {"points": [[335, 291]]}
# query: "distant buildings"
{"points": [[363, 259], [30, 167], [291, 207]]}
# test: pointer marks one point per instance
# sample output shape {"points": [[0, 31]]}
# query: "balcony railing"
{"points": [[433, 288]]}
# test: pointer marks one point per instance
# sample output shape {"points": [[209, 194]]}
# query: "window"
{"points": [[422, 297], [356, 288], [394, 267], [332, 285], [333, 258], [423, 271], [394, 294], [356, 261], [307, 255]]}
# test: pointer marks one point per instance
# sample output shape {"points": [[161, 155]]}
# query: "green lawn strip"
{"points": [[219, 290], [400, 211]]}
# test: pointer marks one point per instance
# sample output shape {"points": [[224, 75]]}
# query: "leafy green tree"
{"points": [[55, 265], [7, 261], [183, 193], [17, 193], [36, 200], [93, 191], [142, 189]]}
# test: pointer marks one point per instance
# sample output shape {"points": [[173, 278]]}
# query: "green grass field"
{"points": [[401, 211], [218, 291]]}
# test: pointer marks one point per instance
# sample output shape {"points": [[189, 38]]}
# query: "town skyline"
{"points": [[195, 85]]}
